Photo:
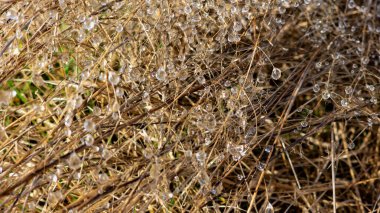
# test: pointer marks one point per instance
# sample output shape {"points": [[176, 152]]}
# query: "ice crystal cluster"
{"points": [[189, 106]]}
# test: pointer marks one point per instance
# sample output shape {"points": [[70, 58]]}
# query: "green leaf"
{"points": [[11, 84], [21, 96]]}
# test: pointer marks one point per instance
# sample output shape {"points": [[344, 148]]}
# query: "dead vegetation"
{"points": [[189, 106]]}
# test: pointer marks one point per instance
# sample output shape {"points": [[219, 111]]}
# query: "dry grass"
{"points": [[172, 106]]}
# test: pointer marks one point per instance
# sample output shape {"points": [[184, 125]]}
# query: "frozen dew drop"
{"points": [[344, 102], [268, 148], [369, 122], [96, 41], [201, 157], [351, 4], [100, 191], [370, 87], [245, 9], [201, 79], [240, 177], [102, 178], [188, 153], [96, 148], [115, 107], [365, 60], [187, 9], [102, 76], [326, 95], [81, 18], [7, 96], [161, 74], [348, 90], [89, 125], [78, 102], [276, 73], [68, 132], [119, 92], [170, 195], [77, 175], [118, 5], [81, 36], [227, 83], [213, 191], [113, 78], [54, 198], [53, 178], [3, 133], [281, 10], [208, 140], [269, 208], [373, 100], [39, 108], [19, 33], [115, 116], [316, 88], [234, 10], [31, 205], [106, 154], [318, 65], [68, 119], [233, 37], [85, 75], [196, 18], [351, 145], [62, 4], [11, 15], [237, 26], [307, 1], [88, 139], [89, 23], [74, 161], [304, 124], [260, 166], [97, 111], [119, 28], [15, 51]]}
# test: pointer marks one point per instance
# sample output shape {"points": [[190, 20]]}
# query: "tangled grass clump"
{"points": [[189, 106]]}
